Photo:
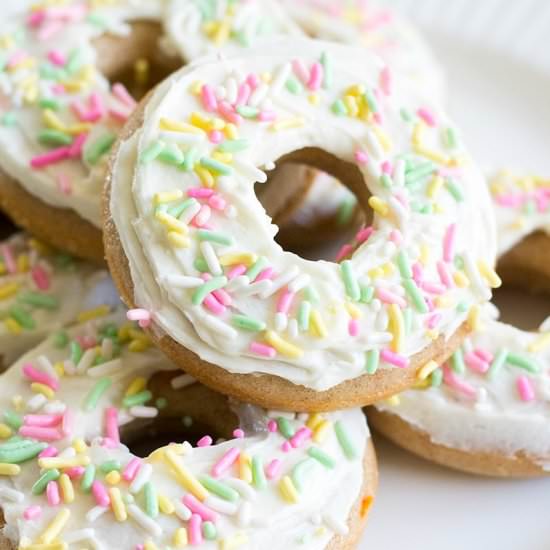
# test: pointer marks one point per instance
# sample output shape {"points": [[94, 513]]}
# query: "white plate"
{"points": [[497, 58]]}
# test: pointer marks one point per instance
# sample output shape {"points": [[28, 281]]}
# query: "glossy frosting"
{"points": [[183, 204], [290, 484]]}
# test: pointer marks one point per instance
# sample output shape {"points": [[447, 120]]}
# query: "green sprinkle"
{"points": [[386, 181], [39, 300], [49, 103], [8, 119], [339, 108], [372, 361], [40, 484], [407, 319], [172, 154], [209, 530], [60, 339], [91, 400], [294, 86], [151, 500], [321, 456], [54, 137], [419, 173], [371, 101], [300, 471], [219, 488], [234, 145], [152, 151], [137, 399], [177, 210], [161, 403], [256, 268], [96, 20], [285, 427], [462, 307], [23, 317], [205, 289], [213, 236], [75, 350], [404, 265], [18, 451], [436, 378], [109, 466], [367, 294], [454, 190], [350, 282], [328, 75], [415, 295], [98, 148], [248, 323], [459, 262], [191, 158], [346, 210], [498, 362], [345, 442], [523, 362], [248, 112], [13, 420], [457, 362], [311, 294], [406, 115], [216, 166], [74, 63], [200, 265], [88, 478], [258, 476], [451, 139], [304, 312]]}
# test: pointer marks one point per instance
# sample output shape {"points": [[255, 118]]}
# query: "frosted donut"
{"points": [[281, 481], [41, 290], [188, 241], [486, 410], [59, 114]]}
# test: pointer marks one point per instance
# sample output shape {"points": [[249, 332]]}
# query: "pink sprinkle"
{"points": [[111, 424], [286, 447], [36, 18], [476, 363], [96, 103], [43, 420], [41, 377], [118, 115], [263, 349], [205, 441], [444, 275], [197, 507], [225, 462], [42, 434], [267, 116], [272, 426], [57, 58], [122, 94], [432, 288], [389, 297], [75, 149], [100, 494], [525, 388], [201, 219], [395, 359], [353, 327], [315, 76], [238, 433], [16, 58], [217, 202], [344, 252], [75, 472], [200, 192], [64, 184], [300, 437], [52, 493], [253, 80], [449, 243], [208, 97], [432, 320], [265, 274], [40, 277], [236, 271], [361, 157], [453, 381], [387, 167], [67, 422], [195, 533], [32, 512], [213, 305], [223, 297], [484, 354], [300, 70], [228, 112], [48, 452], [141, 315], [52, 157], [273, 468], [364, 234], [418, 272], [386, 80], [396, 237], [285, 301], [9, 259], [243, 94], [131, 469], [215, 136], [49, 30], [427, 116], [86, 341]]}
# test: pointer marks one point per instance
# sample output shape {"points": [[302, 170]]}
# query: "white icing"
{"points": [[155, 264]]}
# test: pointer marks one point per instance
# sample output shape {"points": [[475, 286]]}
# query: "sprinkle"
{"points": [[426, 370], [449, 242], [209, 286], [489, 274], [98, 148], [282, 346], [195, 533], [9, 469], [95, 394], [100, 494], [350, 282], [452, 380], [288, 490], [397, 327], [262, 349], [345, 442], [150, 525], [321, 457], [184, 477], [394, 359], [53, 530], [523, 362], [248, 323], [525, 388]]}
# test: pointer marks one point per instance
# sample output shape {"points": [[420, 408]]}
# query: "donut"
{"points": [[42, 290], [59, 114], [68, 480], [284, 332], [485, 410]]}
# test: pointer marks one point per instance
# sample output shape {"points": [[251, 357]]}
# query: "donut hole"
{"points": [[136, 60], [318, 202]]}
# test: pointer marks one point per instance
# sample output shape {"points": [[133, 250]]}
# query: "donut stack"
{"points": [[168, 141]]}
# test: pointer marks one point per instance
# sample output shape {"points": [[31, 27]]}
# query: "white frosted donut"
{"points": [[183, 206], [67, 482], [41, 290]]}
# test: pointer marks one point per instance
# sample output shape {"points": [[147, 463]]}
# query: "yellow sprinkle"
{"points": [[317, 324], [5, 431], [174, 126], [432, 334], [353, 310], [52, 546], [383, 138], [393, 401], [180, 537], [236, 258], [205, 123], [376, 273], [17, 401], [40, 247], [288, 124], [287, 490], [422, 384], [540, 343], [113, 477], [356, 90], [59, 368], [434, 187], [222, 34], [94, 313], [489, 274], [282, 346], [79, 445], [474, 318], [245, 471], [233, 542], [80, 128], [426, 370], [67, 489], [184, 476], [418, 134], [231, 131], [196, 87], [9, 469], [321, 431], [117, 504], [443, 302], [8, 290], [60, 463], [168, 196], [206, 177], [23, 263], [56, 526], [379, 206], [351, 104], [138, 384], [431, 154], [314, 420], [397, 327], [177, 240], [165, 505], [460, 279], [425, 254], [171, 222], [139, 345], [46, 391], [150, 545], [518, 223], [388, 269], [52, 121], [226, 158], [74, 86], [314, 99]]}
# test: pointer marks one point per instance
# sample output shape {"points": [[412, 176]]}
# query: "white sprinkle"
{"points": [[211, 259], [219, 326], [124, 418], [282, 280], [245, 514], [281, 321], [86, 360], [255, 288], [182, 511], [144, 521], [221, 506], [400, 212], [11, 494], [241, 487], [232, 90], [258, 95], [280, 78], [475, 278], [300, 282], [69, 368], [182, 281], [94, 513], [374, 145], [293, 328], [234, 285], [335, 525], [141, 478], [108, 368], [182, 381], [36, 402], [250, 171], [47, 366], [140, 411], [190, 212], [55, 407], [185, 138], [69, 452]]}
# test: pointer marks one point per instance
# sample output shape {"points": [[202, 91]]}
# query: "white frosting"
{"points": [[317, 362], [256, 516], [48, 288]]}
